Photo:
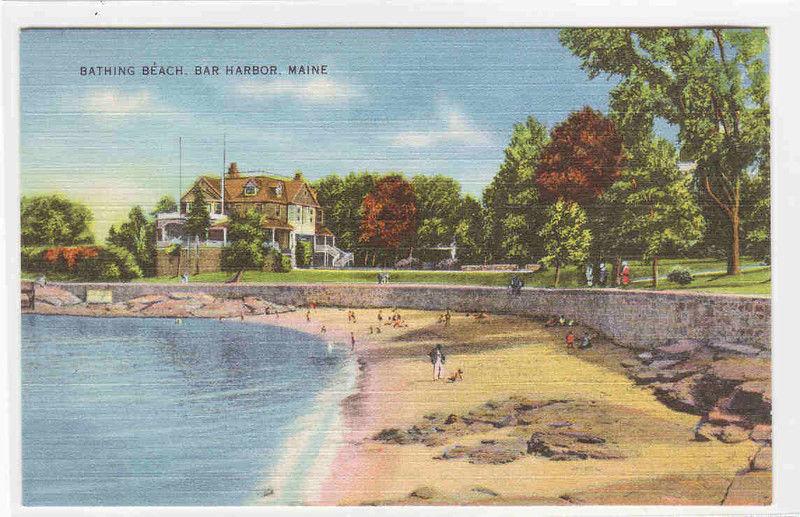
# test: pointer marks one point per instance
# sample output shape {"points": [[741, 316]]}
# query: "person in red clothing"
{"points": [[570, 339], [625, 274]]}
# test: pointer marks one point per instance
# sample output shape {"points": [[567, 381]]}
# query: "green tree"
{"points": [[137, 235], [469, 230], [341, 199], [654, 205], [438, 204], [712, 83], [513, 212], [198, 220], [54, 220], [756, 214], [566, 238], [165, 205], [246, 238]]}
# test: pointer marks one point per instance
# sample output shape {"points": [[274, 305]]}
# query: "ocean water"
{"points": [[135, 411]]}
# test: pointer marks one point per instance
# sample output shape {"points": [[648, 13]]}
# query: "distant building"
{"points": [[289, 212]]}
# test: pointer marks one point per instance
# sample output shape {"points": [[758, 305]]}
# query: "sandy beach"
{"points": [[655, 460], [531, 422]]}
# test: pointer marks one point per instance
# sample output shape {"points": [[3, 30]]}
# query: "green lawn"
{"points": [[752, 281]]}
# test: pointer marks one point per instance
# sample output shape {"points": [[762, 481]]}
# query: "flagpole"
{"points": [[180, 172]]}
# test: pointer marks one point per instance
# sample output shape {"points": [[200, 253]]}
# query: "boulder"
{"points": [[741, 369], [680, 395], [485, 491], [663, 364], [644, 375], [55, 296], [761, 433], [753, 399], [646, 357], [497, 453], [679, 348], [451, 419], [735, 348], [762, 459], [558, 425], [582, 437], [705, 432], [732, 434], [424, 492], [393, 435], [454, 452]]}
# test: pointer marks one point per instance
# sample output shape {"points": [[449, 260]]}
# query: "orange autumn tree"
{"points": [[389, 214], [583, 158]]}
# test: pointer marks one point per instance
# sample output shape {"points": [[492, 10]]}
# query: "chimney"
{"points": [[233, 170], [298, 176]]}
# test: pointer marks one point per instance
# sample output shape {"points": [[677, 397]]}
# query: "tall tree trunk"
{"points": [[178, 266], [197, 256], [655, 271], [558, 274], [615, 271], [733, 259]]}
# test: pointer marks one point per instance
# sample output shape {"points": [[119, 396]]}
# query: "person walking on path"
{"points": [[437, 360], [447, 318], [625, 274], [602, 274], [352, 342], [589, 274]]}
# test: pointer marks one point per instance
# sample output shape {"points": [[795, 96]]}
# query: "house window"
{"points": [[277, 211], [279, 190], [250, 190]]}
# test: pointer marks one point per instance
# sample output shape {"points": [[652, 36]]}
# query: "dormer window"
{"points": [[250, 189], [279, 190]]}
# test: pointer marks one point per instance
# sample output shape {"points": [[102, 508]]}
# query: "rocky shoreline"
{"points": [[727, 386]]}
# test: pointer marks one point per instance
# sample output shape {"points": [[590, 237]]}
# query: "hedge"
{"points": [[81, 262]]}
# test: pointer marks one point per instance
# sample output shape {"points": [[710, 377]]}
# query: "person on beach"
{"points": [[308, 315], [352, 342], [437, 360], [562, 321], [447, 318], [586, 342], [569, 339], [323, 330], [371, 330], [625, 274], [380, 316]]}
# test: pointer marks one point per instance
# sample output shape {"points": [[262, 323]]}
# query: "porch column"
{"points": [[273, 235]]}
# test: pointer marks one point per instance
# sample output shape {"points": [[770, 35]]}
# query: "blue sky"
{"points": [[417, 101]]}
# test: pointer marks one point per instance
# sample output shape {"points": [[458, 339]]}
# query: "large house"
{"points": [[289, 212]]}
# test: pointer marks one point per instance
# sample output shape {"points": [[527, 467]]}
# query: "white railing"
{"points": [[339, 258]]}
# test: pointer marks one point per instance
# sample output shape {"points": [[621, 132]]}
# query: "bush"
{"points": [[303, 253], [242, 255], [277, 262], [82, 262], [680, 276]]}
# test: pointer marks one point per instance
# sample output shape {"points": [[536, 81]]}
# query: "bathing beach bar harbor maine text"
{"points": [[158, 70]]}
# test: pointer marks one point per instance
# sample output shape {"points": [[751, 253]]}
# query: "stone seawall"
{"points": [[639, 319]]}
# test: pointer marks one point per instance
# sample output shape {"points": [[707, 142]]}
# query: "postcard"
{"points": [[395, 266]]}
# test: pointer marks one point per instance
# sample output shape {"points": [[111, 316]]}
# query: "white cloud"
{"points": [[320, 91], [454, 127], [113, 101]]}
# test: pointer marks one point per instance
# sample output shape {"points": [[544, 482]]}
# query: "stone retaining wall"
{"points": [[210, 261], [639, 319]]}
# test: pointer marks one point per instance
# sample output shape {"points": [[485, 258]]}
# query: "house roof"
{"points": [[270, 222], [321, 230], [294, 191]]}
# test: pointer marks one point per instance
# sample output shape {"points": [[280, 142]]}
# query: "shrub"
{"points": [[242, 255], [303, 253], [277, 262], [680, 276], [82, 262]]}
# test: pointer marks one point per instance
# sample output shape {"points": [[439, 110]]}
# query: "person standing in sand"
{"points": [[437, 360], [352, 342]]}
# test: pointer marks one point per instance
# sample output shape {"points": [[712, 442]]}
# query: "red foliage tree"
{"points": [[389, 213], [583, 158]]}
